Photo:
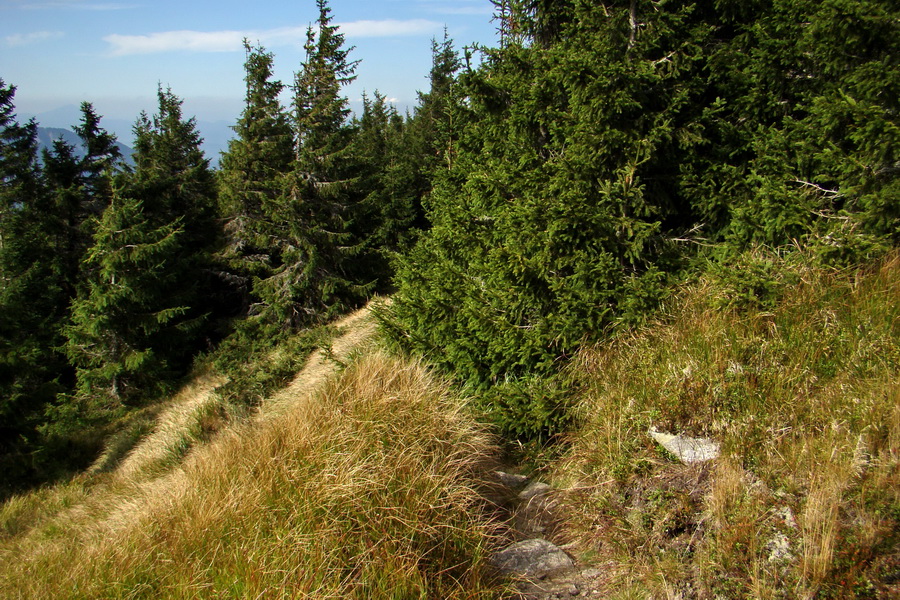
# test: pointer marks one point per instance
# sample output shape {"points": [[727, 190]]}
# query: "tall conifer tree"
{"points": [[308, 228], [552, 210], [384, 215], [253, 174], [47, 232], [409, 156], [31, 294], [439, 117], [80, 189], [139, 317], [102, 159]]}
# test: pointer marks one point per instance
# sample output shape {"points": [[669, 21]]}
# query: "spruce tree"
{"points": [[438, 116], [46, 226], [384, 215], [100, 162], [35, 286], [172, 172], [252, 175], [308, 226], [19, 172], [408, 156], [79, 185], [129, 320], [139, 318], [851, 127], [66, 197], [554, 207]]}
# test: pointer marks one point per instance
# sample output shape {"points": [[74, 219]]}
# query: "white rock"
{"points": [[688, 450], [779, 548], [786, 515], [511, 479]]}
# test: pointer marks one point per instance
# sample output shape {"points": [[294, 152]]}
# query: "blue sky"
{"points": [[113, 53]]}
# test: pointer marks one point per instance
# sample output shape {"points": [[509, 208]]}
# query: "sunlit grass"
{"points": [[368, 487], [365, 490], [804, 398]]}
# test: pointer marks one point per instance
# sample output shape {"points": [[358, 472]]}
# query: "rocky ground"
{"points": [[544, 570], [540, 557]]}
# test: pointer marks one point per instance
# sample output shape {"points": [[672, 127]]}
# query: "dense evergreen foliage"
{"points": [[308, 228], [252, 177], [29, 296], [49, 213], [604, 145], [540, 193], [140, 311]]}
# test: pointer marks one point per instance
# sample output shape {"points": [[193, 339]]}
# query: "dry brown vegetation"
{"points": [[362, 488], [805, 400]]}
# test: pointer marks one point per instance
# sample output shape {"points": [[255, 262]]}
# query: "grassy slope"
{"points": [[805, 401], [369, 487], [362, 489]]}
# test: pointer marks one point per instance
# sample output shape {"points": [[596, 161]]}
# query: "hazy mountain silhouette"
{"points": [[215, 133], [47, 135]]}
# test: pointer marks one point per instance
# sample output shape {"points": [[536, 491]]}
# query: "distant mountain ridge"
{"points": [[47, 135], [215, 134]]}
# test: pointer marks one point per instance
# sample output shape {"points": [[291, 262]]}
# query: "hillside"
{"points": [[543, 194], [369, 477], [354, 484], [798, 386]]}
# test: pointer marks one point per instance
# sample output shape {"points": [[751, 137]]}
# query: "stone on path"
{"points": [[688, 450], [533, 490], [532, 558], [511, 479]]}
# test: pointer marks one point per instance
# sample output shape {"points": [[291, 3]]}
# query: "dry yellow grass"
{"points": [[354, 485], [358, 329], [805, 401], [358, 479], [182, 415]]}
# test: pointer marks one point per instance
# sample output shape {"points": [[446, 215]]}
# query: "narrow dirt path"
{"points": [[135, 487], [546, 569], [358, 329]]}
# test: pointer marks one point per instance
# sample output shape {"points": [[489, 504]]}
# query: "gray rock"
{"points": [[532, 558], [533, 490], [511, 479], [787, 516], [688, 450], [779, 548]]}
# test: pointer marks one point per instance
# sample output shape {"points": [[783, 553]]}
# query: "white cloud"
{"points": [[167, 41], [22, 39], [228, 41]]}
